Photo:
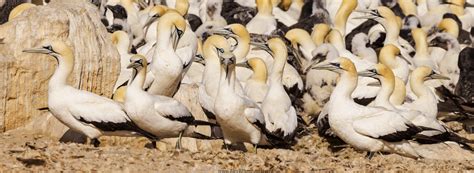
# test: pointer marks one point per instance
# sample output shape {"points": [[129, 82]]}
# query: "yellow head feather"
{"points": [[182, 6], [450, 26], [264, 7], [19, 9], [213, 42], [320, 31], [259, 69]]}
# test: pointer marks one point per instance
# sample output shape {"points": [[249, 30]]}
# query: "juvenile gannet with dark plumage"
{"points": [[167, 66], [365, 128], [264, 22], [83, 111], [280, 115], [19, 9], [256, 87], [448, 66], [162, 116]]}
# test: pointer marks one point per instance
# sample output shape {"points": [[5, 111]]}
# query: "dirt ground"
{"points": [[22, 151]]}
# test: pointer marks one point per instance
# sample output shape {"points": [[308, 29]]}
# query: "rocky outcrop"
{"points": [[24, 77]]}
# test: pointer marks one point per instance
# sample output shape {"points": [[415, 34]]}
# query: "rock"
{"points": [[25, 76]]}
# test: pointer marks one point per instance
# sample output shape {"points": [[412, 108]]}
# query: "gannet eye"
{"points": [[140, 61], [48, 47], [220, 50], [373, 71], [336, 64], [180, 33]]}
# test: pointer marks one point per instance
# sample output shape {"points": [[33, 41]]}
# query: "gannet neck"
{"points": [[449, 26], [280, 54], [164, 34], [408, 7], [342, 14], [417, 82], [64, 69], [243, 39], [121, 41], [335, 38], [139, 79], [344, 88], [264, 7], [182, 6], [388, 85], [392, 26], [319, 33], [421, 43], [399, 92]]}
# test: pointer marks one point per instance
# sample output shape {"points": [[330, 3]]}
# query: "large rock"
{"points": [[24, 77]]}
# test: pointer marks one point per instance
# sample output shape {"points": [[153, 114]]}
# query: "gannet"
{"points": [[162, 116], [422, 56], [121, 41], [426, 101], [264, 22], [133, 21], [438, 131], [342, 14], [365, 128], [301, 41], [256, 87], [448, 66], [167, 66], [240, 119], [19, 9], [83, 111], [280, 115], [319, 33], [150, 30]]}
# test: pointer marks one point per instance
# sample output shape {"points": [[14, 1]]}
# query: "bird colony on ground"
{"points": [[369, 73]]}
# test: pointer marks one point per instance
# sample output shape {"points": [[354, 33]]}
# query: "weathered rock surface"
{"points": [[24, 77]]}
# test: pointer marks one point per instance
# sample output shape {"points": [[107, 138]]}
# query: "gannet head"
{"points": [[450, 24], [176, 22], [121, 40], [259, 69], [319, 32], [425, 73], [137, 62], [379, 72], [380, 14], [155, 13], [57, 49], [338, 65], [410, 22], [285, 4], [182, 6], [274, 47], [442, 40], [215, 46], [233, 30], [19, 9], [297, 35], [228, 61], [388, 55]]}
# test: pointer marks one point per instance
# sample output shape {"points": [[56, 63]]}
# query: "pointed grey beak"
{"points": [[244, 64], [133, 65], [261, 46], [37, 50], [438, 76], [324, 66], [367, 73], [222, 32]]}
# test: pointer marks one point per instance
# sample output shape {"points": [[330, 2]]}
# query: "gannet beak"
{"points": [[438, 76], [244, 64], [324, 66], [223, 32], [405, 59], [228, 61], [374, 84], [199, 59], [150, 21], [175, 38], [367, 73], [37, 50], [261, 46], [366, 17], [133, 65]]}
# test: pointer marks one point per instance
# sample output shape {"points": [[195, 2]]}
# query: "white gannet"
{"points": [[133, 20], [301, 41], [240, 119], [188, 43], [162, 116], [280, 115], [448, 66], [121, 41], [264, 22], [83, 111], [256, 87], [150, 30], [425, 101], [438, 131], [167, 66], [365, 128], [319, 33]]}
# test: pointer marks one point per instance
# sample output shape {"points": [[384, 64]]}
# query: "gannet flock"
{"points": [[370, 73]]}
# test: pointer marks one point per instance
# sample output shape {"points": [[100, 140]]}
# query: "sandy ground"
{"points": [[22, 151]]}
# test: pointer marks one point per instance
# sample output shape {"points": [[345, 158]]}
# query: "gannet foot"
{"points": [[255, 148], [178, 143], [95, 142], [369, 155]]}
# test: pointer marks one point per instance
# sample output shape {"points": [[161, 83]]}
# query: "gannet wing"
{"points": [[386, 125], [172, 109], [206, 101]]}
